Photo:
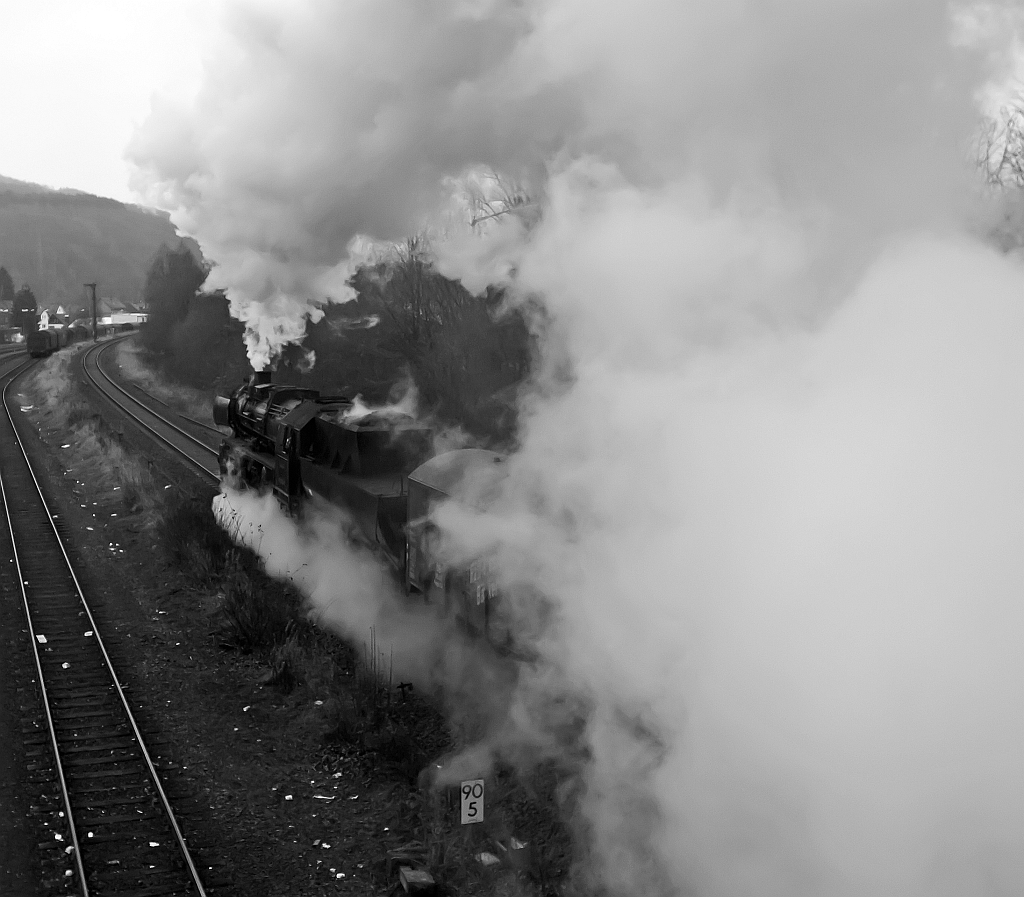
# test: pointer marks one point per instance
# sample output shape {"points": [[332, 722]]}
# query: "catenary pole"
{"points": [[92, 287]]}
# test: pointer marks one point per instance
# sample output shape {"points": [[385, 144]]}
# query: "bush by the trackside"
{"points": [[192, 539], [95, 451]]}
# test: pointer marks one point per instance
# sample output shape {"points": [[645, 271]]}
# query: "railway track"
{"points": [[12, 350], [198, 453], [119, 833]]}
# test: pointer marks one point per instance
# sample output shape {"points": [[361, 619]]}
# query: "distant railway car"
{"points": [[42, 342], [48, 340]]}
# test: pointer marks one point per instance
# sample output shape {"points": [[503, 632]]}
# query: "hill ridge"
{"points": [[56, 240]]}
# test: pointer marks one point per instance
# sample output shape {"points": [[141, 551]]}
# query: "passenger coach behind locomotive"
{"points": [[304, 444]]}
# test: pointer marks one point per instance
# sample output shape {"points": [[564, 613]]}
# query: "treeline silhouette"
{"points": [[59, 240], [465, 355]]}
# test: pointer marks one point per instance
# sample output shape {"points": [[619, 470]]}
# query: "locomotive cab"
{"points": [[292, 439]]}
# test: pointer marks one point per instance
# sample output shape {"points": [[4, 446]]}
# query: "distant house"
{"points": [[125, 319], [115, 313], [119, 314], [52, 317]]}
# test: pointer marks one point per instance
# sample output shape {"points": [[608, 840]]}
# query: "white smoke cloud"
{"points": [[307, 138], [349, 592], [798, 562], [346, 588], [322, 124], [807, 569], [775, 508]]}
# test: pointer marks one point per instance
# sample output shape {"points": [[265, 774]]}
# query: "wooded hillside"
{"points": [[57, 240]]}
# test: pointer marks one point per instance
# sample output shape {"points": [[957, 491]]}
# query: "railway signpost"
{"points": [[472, 801]]}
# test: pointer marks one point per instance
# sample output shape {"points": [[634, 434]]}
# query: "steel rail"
{"points": [[153, 398], [148, 761], [112, 382], [50, 725], [213, 474]]}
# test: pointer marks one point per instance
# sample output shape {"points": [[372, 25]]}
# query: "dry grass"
{"points": [[187, 400], [94, 451], [191, 538], [353, 703], [347, 701], [254, 614]]}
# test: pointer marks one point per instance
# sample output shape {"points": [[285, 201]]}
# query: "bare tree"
{"points": [[1001, 149], [492, 195], [459, 348], [419, 301]]}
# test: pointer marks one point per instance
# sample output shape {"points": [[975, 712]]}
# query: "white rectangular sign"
{"points": [[472, 801]]}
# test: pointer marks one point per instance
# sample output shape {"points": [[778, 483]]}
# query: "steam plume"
{"points": [[776, 504], [347, 589]]}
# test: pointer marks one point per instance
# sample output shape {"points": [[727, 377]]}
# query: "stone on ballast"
{"points": [[416, 881]]}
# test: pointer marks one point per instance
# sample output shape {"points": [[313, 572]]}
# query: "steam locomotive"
{"points": [[376, 465]]}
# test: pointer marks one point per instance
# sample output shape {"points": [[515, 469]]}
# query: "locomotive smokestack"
{"points": [[260, 377]]}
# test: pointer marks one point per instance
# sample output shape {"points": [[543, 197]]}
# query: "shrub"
{"points": [[193, 540], [96, 452], [255, 614]]}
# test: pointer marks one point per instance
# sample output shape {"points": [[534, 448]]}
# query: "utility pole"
{"points": [[92, 287]]}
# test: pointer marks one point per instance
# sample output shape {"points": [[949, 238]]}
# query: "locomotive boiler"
{"points": [[375, 465]]}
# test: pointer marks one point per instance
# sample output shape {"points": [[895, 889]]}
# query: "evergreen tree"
{"points": [[172, 282], [26, 309], [6, 287]]}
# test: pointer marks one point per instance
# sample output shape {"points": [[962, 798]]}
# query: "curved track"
{"points": [[121, 836], [199, 454], [12, 350]]}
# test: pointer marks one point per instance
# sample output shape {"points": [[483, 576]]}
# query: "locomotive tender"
{"points": [[376, 466]]}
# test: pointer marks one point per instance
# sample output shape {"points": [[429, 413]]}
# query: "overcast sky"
{"points": [[76, 76]]}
